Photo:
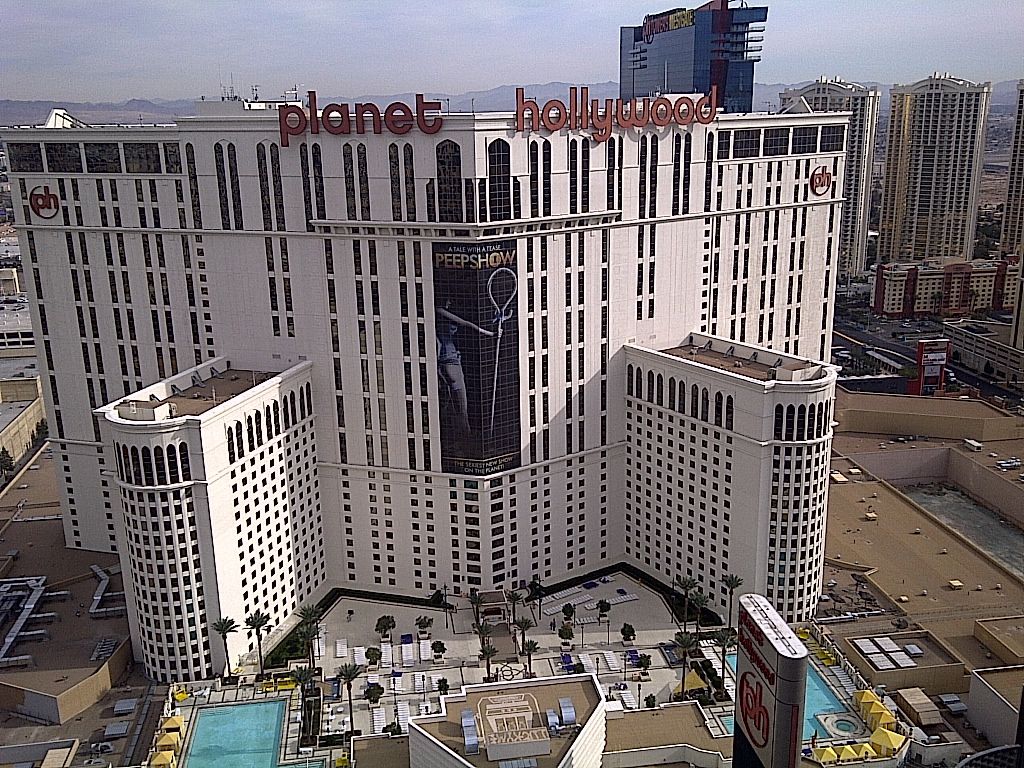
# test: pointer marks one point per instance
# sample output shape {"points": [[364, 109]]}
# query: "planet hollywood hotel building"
{"points": [[394, 349]]}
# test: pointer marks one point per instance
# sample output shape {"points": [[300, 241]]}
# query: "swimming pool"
{"points": [[818, 700], [237, 736]]}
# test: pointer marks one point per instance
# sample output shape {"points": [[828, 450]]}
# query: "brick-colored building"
{"points": [[906, 290]]}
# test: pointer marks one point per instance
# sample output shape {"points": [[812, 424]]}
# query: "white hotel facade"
{"points": [[399, 362]]}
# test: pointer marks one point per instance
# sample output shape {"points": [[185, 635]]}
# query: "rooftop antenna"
{"points": [[255, 93]]}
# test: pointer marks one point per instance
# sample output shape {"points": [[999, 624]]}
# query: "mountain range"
{"points": [[14, 112]]}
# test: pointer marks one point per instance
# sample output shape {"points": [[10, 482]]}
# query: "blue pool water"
{"points": [[818, 700], [237, 736]]}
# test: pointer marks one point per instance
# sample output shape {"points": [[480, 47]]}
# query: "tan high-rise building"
{"points": [[933, 169], [862, 102], [1013, 215]]}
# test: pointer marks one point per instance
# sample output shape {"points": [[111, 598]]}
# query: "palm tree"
{"points": [[687, 644], [686, 585], [224, 626], [257, 622], [476, 601], [483, 631], [725, 639], [537, 588], [349, 673], [488, 652], [307, 634], [514, 597], [311, 614], [423, 623], [524, 624], [700, 602], [303, 678], [732, 583], [530, 647]]}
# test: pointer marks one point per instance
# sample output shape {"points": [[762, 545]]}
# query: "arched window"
{"points": [[396, 182], [449, 181], [302, 403], [821, 420], [681, 405], [705, 404], [239, 444], [638, 390], [291, 405], [499, 176], [147, 466], [161, 468], [309, 398], [136, 467], [790, 421], [410, 183], [629, 379], [186, 468], [268, 421], [801, 422], [778, 421], [172, 457], [812, 422], [277, 418], [258, 422], [719, 401], [672, 393], [650, 386], [231, 445], [694, 401], [126, 466], [729, 412], [659, 396], [249, 431]]}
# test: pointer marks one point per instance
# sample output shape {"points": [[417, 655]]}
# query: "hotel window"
{"points": [[64, 158], [142, 157], [747, 144], [396, 182], [102, 158], [833, 138], [449, 181], [25, 158], [805, 140], [318, 183], [723, 144], [776, 141], [410, 183], [499, 178], [193, 186], [350, 182], [172, 158], [222, 190]]}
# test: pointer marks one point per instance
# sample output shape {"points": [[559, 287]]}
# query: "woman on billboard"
{"points": [[449, 363]]}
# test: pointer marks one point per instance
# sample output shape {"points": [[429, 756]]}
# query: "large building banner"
{"points": [[476, 320]]}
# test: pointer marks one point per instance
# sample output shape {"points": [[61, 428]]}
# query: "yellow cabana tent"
{"points": [[860, 696], [173, 723], [825, 755], [847, 752], [865, 750], [163, 760], [881, 719], [870, 708], [886, 742], [169, 741], [693, 682]]}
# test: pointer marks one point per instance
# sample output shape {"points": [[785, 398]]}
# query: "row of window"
{"points": [[700, 397], [264, 425], [159, 466], [95, 157]]}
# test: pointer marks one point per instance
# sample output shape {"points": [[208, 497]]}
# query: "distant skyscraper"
{"points": [[933, 169], [1013, 215], [840, 96], [689, 51]]}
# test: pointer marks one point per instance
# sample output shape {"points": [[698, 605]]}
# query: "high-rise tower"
{"points": [[933, 169], [862, 102], [1013, 213]]}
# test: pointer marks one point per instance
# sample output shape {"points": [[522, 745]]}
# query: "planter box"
{"points": [[438, 659], [627, 643], [423, 634]]}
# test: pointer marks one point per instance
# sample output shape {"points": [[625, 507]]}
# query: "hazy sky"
{"points": [[103, 50]]}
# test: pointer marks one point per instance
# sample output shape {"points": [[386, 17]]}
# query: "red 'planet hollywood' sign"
{"points": [[581, 114]]}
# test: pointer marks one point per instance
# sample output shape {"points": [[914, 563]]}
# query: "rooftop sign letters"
{"points": [[664, 22], [584, 114], [398, 118]]}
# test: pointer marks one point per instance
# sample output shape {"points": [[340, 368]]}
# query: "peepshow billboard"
{"points": [[477, 327]]}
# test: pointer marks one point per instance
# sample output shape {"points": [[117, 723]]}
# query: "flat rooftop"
{"points": [[15, 320], [19, 367], [1008, 629], [381, 752], [912, 404], [200, 398], [10, 411], [663, 727], [1007, 683], [538, 696], [740, 364]]}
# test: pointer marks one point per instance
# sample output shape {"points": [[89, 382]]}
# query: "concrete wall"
{"points": [[59, 708], [36, 752], [1004, 495], [887, 422], [677, 754], [907, 467], [994, 714]]}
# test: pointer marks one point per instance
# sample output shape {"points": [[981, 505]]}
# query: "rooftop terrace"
{"points": [[757, 364], [198, 398]]}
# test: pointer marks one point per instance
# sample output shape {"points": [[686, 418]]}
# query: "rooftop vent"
{"points": [[568, 711]]}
